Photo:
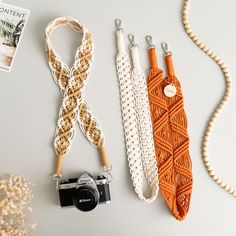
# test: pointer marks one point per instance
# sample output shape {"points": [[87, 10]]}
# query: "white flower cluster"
{"points": [[15, 197]]}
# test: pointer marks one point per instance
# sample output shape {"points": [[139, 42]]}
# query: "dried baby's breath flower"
{"points": [[15, 196]]}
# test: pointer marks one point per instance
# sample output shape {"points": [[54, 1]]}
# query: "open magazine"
{"points": [[12, 23]]}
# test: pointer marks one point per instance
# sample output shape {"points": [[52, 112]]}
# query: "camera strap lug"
{"points": [[108, 174], [57, 178]]}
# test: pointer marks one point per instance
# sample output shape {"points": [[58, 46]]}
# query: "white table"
{"points": [[29, 102]]}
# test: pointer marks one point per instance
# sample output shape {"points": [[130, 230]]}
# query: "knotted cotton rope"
{"points": [[136, 120], [72, 84], [170, 136]]}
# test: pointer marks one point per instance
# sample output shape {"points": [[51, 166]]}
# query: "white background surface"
{"points": [[29, 102]]}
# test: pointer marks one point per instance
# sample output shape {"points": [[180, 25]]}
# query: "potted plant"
{"points": [[9, 34]]}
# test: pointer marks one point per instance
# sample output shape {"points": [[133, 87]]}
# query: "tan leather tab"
{"points": [[104, 158], [59, 165]]}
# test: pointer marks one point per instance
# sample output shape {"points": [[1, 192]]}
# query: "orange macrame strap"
{"points": [[170, 136], [160, 120], [180, 141]]}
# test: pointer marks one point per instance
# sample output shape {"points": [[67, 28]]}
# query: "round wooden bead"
{"points": [[227, 187], [222, 184]]}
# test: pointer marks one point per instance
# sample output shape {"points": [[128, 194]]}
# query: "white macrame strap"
{"points": [[72, 83], [136, 121], [144, 120]]}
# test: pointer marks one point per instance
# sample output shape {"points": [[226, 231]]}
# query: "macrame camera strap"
{"points": [[170, 134], [136, 118], [72, 84], [226, 96]]}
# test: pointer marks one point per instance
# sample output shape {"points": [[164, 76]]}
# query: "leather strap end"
{"points": [[104, 158], [59, 165]]}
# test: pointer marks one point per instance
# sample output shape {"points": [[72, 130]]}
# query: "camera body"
{"points": [[85, 192]]}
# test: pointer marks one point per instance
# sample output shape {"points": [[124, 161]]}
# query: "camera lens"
{"points": [[85, 198]]}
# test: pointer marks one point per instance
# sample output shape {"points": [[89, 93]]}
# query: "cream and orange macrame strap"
{"points": [[224, 100], [72, 83], [170, 135], [136, 119]]}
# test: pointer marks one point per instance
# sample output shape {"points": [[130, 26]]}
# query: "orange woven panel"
{"points": [[171, 138]]}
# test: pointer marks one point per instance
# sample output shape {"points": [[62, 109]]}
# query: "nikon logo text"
{"points": [[85, 200]]}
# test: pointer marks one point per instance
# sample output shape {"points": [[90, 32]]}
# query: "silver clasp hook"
{"points": [[149, 41], [165, 48], [108, 174], [131, 40], [118, 24], [57, 178]]}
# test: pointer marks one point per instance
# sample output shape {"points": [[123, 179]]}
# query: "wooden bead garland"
{"points": [[213, 118]]}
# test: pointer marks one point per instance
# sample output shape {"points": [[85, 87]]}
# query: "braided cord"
{"points": [[72, 82], [137, 123], [226, 96]]}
